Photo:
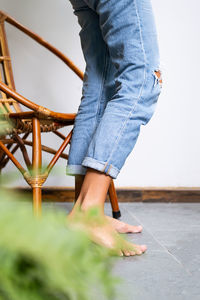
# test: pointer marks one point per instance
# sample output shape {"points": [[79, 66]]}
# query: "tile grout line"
{"points": [[165, 249]]}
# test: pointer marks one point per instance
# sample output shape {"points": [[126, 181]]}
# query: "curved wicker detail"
{"points": [[28, 127], [18, 127], [43, 111]]}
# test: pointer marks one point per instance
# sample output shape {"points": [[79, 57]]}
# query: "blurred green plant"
{"points": [[47, 259], [4, 124]]}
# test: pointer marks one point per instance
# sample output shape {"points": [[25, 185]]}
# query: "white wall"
{"points": [[167, 151]]}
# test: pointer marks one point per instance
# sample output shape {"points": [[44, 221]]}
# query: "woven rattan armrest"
{"points": [[37, 110]]}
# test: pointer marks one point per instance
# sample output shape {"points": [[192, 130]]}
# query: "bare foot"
{"points": [[122, 227], [118, 225], [104, 234]]}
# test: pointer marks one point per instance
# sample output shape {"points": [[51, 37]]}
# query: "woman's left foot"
{"points": [[122, 227]]}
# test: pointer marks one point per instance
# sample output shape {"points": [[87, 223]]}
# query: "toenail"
{"points": [[127, 253]]}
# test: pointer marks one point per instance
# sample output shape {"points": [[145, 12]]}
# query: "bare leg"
{"points": [[118, 225], [93, 193]]}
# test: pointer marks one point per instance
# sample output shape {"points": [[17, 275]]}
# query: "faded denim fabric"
{"points": [[120, 87]]}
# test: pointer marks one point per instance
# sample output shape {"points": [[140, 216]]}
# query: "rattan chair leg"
{"points": [[12, 158], [37, 200], [4, 160], [1, 159], [1, 151], [113, 200], [36, 165], [78, 184]]}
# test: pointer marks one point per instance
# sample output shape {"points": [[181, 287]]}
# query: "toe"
{"points": [[143, 248], [139, 252], [137, 229], [126, 253], [140, 228], [134, 229], [139, 249], [132, 253]]}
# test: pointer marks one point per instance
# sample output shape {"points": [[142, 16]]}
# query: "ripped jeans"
{"points": [[121, 85]]}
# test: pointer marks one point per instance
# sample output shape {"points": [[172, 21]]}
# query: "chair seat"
{"points": [[24, 124]]}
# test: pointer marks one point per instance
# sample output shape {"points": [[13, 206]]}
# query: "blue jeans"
{"points": [[121, 85]]}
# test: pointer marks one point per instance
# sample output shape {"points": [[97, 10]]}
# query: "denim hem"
{"points": [[75, 170], [101, 166]]}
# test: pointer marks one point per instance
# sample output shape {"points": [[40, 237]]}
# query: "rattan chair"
{"points": [[16, 125]]}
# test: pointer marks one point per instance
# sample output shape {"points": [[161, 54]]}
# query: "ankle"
{"points": [[87, 205]]}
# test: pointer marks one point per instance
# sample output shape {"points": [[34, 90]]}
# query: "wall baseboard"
{"points": [[126, 194]]}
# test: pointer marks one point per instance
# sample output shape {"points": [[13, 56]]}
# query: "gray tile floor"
{"points": [[170, 269]]}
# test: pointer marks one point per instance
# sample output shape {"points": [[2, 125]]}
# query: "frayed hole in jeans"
{"points": [[158, 77]]}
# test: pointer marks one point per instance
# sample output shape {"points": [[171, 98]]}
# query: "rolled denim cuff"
{"points": [[101, 166], [75, 170]]}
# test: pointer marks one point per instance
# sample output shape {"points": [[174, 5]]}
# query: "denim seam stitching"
{"points": [[126, 120], [141, 90], [141, 39], [102, 83]]}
